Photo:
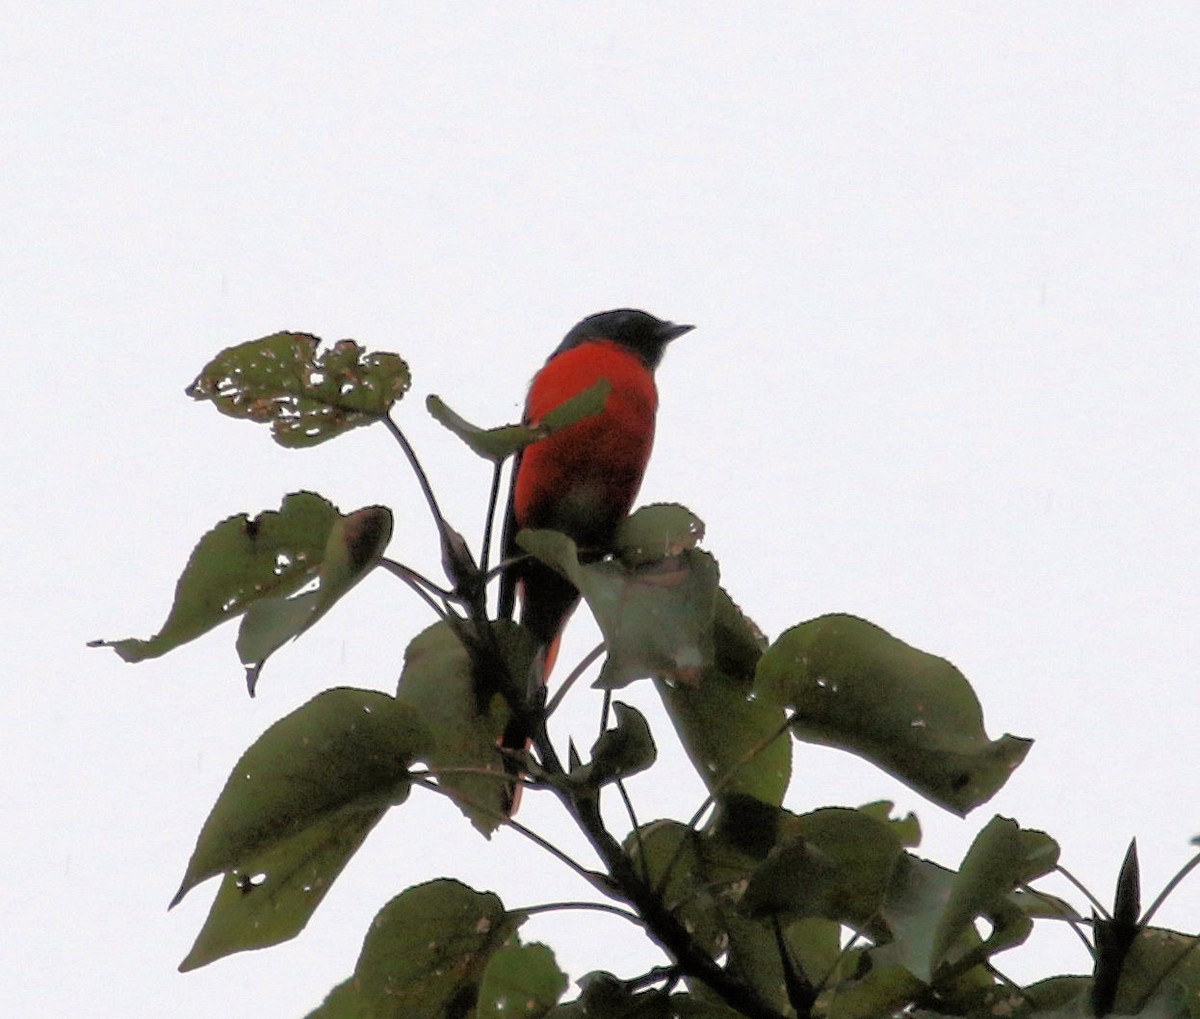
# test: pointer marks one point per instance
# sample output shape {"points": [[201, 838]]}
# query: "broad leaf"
{"points": [[623, 750], [296, 807], [931, 911], [520, 982], [283, 569], [834, 864], [606, 997], [496, 444], [466, 720], [736, 744], [656, 619], [653, 533], [852, 685], [307, 398], [426, 955], [356, 543]]}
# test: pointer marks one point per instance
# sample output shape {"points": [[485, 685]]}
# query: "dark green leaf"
{"points": [[266, 568], [931, 911], [852, 685], [425, 956], [907, 828], [1114, 936], [306, 397], [356, 543], [736, 744], [520, 982], [496, 444], [1160, 976], [834, 863], [884, 991], [239, 562], [653, 533], [606, 997], [621, 751], [738, 643], [656, 619], [296, 807], [440, 682]]}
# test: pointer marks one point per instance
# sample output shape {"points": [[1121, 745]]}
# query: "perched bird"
{"points": [[582, 481]]}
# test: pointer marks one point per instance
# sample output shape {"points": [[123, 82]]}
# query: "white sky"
{"points": [[943, 261]]}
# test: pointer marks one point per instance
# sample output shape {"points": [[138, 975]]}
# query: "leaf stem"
{"points": [[489, 522], [1171, 885], [600, 907], [419, 583], [584, 664]]}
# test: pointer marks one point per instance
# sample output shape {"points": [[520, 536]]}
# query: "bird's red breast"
{"points": [[583, 480]]}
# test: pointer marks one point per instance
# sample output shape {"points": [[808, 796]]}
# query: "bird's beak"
{"points": [[669, 331]]}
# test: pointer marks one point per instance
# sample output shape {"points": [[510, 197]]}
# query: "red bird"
{"points": [[582, 481]]}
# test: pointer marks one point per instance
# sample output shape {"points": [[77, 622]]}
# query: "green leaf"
{"points": [[656, 619], [238, 562], [623, 750], [736, 744], [606, 997], [426, 955], [306, 398], [738, 643], [653, 533], [688, 874], [931, 911], [439, 681], [296, 807], [496, 444], [355, 545], [520, 982], [1160, 976], [852, 685], [283, 569], [813, 947], [834, 863], [884, 991]]}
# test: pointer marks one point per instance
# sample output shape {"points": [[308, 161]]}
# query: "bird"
{"points": [[581, 481]]}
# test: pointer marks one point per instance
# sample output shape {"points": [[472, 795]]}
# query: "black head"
{"points": [[641, 332]]}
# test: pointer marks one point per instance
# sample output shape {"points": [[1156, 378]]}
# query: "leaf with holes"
{"points": [[261, 566], [306, 397], [296, 807]]}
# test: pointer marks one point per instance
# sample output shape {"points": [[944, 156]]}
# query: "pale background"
{"points": [[943, 261]]}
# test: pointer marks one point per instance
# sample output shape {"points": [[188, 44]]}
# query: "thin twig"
{"points": [[584, 664], [422, 780], [1096, 904], [418, 583], [493, 498], [1170, 887], [601, 907], [418, 470]]}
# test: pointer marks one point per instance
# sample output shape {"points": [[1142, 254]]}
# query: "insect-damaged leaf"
{"points": [[259, 566], [306, 397], [296, 807]]}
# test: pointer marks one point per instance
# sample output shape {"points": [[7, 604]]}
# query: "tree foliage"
{"points": [[758, 911]]}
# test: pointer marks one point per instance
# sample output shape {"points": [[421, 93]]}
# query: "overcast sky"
{"points": [[943, 264]]}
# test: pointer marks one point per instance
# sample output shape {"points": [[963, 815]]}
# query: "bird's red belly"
{"points": [[583, 480]]}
